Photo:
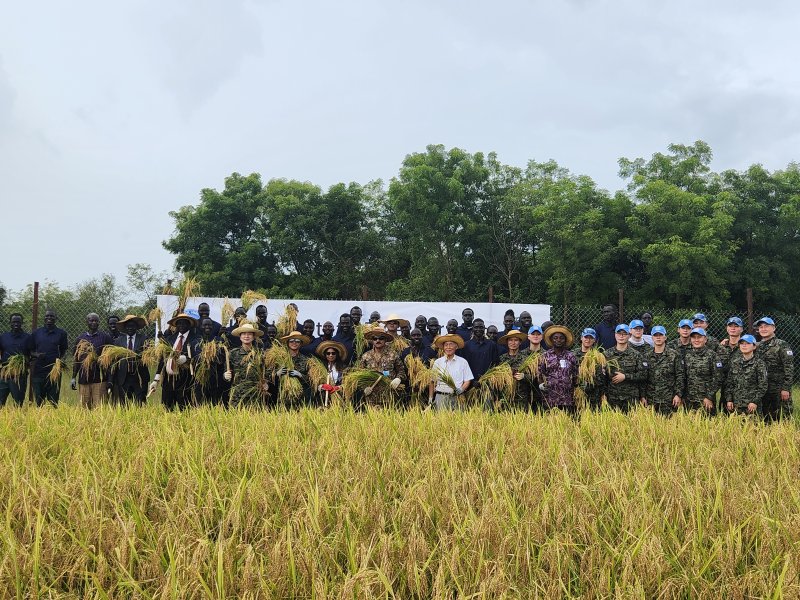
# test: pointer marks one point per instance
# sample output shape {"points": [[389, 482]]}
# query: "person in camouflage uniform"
{"points": [[728, 350], [594, 391], [299, 367], [703, 374], [699, 320], [245, 381], [625, 371], [682, 343], [779, 359], [382, 358], [665, 375], [746, 382], [515, 358]]}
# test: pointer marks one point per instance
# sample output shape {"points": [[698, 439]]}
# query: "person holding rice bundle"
{"points": [[382, 359], [130, 377], [15, 350], [454, 373], [86, 368], [296, 369], [210, 386], [49, 348], [248, 383], [591, 375], [558, 370], [517, 358], [178, 365], [334, 357]]}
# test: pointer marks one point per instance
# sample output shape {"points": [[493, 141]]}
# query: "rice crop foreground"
{"points": [[147, 504]]}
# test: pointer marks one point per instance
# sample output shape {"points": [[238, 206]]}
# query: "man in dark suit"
{"points": [[130, 376], [178, 370]]}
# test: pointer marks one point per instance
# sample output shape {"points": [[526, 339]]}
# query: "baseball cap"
{"points": [[684, 323], [766, 320], [658, 329], [699, 317], [698, 331], [636, 323], [622, 327], [534, 328], [747, 338], [589, 332], [735, 321]]}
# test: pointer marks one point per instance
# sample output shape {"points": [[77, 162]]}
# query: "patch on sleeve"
{"points": [[719, 365], [789, 353], [644, 363]]}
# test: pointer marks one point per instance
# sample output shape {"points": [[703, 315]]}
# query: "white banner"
{"points": [[330, 310]]}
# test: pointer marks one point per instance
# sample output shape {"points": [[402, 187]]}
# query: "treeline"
{"points": [[452, 224]]}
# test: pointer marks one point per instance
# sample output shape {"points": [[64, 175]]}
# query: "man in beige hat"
{"points": [[130, 377], [443, 395], [383, 358]]}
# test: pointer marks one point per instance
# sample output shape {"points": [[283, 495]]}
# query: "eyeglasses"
{"points": [[295, 340], [331, 352]]}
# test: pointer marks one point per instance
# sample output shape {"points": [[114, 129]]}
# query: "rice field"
{"points": [[142, 503]]}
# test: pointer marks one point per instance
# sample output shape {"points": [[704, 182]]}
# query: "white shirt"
{"points": [[457, 368]]}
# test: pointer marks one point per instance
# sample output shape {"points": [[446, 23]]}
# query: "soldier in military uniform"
{"points": [[665, 375], [594, 391], [704, 374], [728, 349], [746, 383], [699, 320], [682, 343], [625, 372], [779, 359], [515, 357], [382, 358]]}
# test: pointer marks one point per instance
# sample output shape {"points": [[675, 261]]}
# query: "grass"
{"points": [[144, 503]]}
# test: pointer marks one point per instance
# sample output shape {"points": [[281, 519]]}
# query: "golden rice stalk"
{"points": [[592, 362], [356, 380], [420, 376], [360, 343], [155, 351], [399, 343], [581, 399], [445, 378], [497, 383], [15, 367], [86, 355], [287, 321], [154, 316], [189, 288], [211, 353], [111, 356], [250, 297], [55, 372], [227, 312], [530, 366], [317, 372], [277, 357], [290, 390]]}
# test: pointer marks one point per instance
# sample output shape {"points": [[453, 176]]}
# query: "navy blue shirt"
{"points": [[480, 356], [465, 333], [348, 340], [605, 335], [14, 343], [51, 344], [425, 354]]}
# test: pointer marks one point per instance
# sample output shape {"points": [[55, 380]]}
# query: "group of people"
{"points": [[199, 361]]}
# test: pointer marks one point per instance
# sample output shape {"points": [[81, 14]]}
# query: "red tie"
{"points": [[130, 342], [179, 347]]}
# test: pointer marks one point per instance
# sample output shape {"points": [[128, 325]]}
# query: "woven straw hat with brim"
{"points": [[296, 335], [395, 317], [174, 320], [515, 334], [139, 321], [377, 332], [548, 335], [247, 328], [448, 337], [339, 347]]}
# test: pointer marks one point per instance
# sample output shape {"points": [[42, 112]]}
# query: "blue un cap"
{"points": [[636, 323], [589, 332], [684, 323], [699, 317], [534, 328], [658, 329], [735, 321], [766, 320], [622, 327], [747, 338], [698, 331]]}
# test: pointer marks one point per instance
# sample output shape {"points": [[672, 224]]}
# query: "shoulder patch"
{"points": [[644, 363], [789, 353], [719, 365]]}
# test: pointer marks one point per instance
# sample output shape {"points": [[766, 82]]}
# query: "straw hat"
{"points": [[174, 320], [553, 329], [139, 321], [395, 317], [448, 337], [376, 332], [513, 334], [247, 328], [296, 335], [338, 346]]}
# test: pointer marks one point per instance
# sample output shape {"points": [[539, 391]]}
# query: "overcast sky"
{"points": [[114, 113]]}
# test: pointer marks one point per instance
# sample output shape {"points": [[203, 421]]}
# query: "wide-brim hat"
{"points": [[296, 335], [553, 329], [338, 346], [439, 340], [395, 317], [174, 320], [247, 328], [376, 332], [139, 321], [513, 334]]}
